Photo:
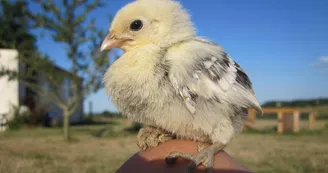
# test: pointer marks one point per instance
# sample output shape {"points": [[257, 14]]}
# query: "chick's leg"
{"points": [[205, 157], [201, 146], [149, 137]]}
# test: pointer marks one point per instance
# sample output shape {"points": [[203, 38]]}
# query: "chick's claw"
{"points": [[149, 137], [206, 158]]}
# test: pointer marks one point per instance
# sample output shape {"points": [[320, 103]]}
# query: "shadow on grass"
{"points": [[134, 128], [109, 131], [99, 133]]}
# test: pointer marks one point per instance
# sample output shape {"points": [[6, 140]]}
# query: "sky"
{"points": [[282, 45]]}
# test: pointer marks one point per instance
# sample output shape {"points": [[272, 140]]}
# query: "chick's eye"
{"points": [[136, 25]]}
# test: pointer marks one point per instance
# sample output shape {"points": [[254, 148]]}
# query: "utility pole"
{"points": [[90, 108]]}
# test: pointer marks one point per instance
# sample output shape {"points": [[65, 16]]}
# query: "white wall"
{"points": [[11, 91], [8, 90]]}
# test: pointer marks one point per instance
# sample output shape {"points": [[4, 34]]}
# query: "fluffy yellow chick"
{"points": [[175, 82]]}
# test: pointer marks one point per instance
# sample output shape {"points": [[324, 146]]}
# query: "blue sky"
{"points": [[282, 45]]}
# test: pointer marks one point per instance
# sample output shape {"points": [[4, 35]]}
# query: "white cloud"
{"points": [[323, 59], [321, 63]]}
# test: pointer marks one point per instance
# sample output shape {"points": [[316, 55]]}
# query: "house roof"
{"points": [[55, 65]]}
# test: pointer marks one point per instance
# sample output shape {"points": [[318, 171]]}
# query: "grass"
{"points": [[271, 123], [322, 112], [44, 151], [282, 153]]}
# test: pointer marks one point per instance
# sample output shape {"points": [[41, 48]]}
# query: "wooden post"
{"points": [[251, 115], [296, 121], [280, 127], [312, 120]]}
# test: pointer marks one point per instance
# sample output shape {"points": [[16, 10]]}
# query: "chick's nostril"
{"points": [[111, 35]]}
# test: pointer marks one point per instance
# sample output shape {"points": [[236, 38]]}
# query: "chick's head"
{"points": [[144, 22]]}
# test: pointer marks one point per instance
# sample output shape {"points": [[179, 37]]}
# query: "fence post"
{"points": [[280, 122], [251, 115], [296, 121], [312, 120]]}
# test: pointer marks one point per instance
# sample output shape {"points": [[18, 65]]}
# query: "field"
{"points": [[43, 150]]}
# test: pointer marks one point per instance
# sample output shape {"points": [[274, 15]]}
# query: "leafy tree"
{"points": [[67, 23], [14, 32]]}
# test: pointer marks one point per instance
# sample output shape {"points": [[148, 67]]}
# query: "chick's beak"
{"points": [[111, 41]]}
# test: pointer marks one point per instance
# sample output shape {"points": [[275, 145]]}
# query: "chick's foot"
{"points": [[205, 157], [149, 137]]}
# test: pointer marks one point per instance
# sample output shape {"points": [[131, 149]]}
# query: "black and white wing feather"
{"points": [[205, 73]]}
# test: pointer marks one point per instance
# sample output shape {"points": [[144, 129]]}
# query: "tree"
{"points": [[67, 23], [14, 32]]}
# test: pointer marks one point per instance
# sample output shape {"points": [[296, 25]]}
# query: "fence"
{"points": [[288, 118]]}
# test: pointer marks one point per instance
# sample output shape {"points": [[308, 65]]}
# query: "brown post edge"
{"points": [[296, 121], [312, 118], [280, 127], [251, 115]]}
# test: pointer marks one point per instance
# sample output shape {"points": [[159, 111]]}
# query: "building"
{"points": [[15, 93]]}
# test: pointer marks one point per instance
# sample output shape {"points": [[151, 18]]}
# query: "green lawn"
{"points": [[44, 151]]}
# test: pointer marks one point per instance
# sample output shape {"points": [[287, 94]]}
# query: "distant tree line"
{"points": [[297, 103], [109, 114]]}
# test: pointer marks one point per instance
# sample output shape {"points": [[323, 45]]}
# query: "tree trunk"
{"points": [[66, 126]]}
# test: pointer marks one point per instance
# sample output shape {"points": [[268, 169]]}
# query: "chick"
{"points": [[172, 80]]}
